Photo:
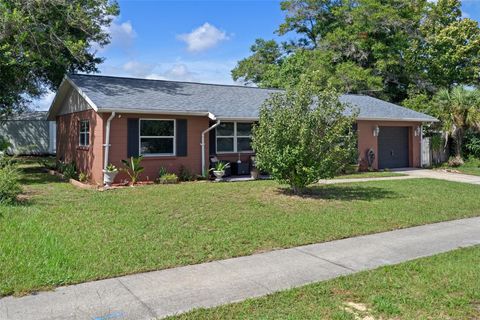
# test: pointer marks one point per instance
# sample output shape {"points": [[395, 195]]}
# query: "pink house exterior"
{"points": [[165, 121]]}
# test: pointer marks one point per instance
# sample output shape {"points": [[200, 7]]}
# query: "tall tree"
{"points": [[389, 49], [311, 19], [447, 52], [40, 41], [458, 109]]}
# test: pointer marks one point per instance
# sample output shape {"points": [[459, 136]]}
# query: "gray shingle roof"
{"points": [[372, 108], [30, 116], [223, 101]]}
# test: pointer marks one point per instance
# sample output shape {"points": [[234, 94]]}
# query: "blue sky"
{"points": [[192, 40]]}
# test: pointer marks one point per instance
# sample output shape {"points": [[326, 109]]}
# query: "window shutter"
{"points": [[181, 137], [212, 148], [133, 135]]}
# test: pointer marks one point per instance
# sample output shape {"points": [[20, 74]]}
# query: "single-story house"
{"points": [[30, 133], [104, 119]]}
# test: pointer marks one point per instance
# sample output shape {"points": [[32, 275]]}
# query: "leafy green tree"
{"points": [[261, 65], [309, 18], [390, 49], [303, 135], [447, 51], [40, 41], [458, 110]]}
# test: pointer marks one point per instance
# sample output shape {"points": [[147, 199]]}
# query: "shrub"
{"points": [[83, 177], [162, 171], [133, 168], [4, 144], [303, 135], [168, 178], [70, 171], [7, 161], [472, 144], [9, 184], [185, 175]]}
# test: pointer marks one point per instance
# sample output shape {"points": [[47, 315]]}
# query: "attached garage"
{"points": [[393, 147]]}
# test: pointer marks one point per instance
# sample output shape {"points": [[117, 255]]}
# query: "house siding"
{"points": [[87, 159], [367, 141], [192, 161], [90, 160]]}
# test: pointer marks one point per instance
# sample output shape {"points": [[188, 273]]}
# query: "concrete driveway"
{"points": [[439, 174]]}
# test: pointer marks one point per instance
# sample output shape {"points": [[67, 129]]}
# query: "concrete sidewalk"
{"points": [[441, 175], [158, 294]]}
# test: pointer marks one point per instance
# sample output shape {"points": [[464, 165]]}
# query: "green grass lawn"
{"points": [[445, 286], [471, 166], [60, 234], [370, 174]]}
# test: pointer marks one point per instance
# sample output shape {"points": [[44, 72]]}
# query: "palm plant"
{"points": [[458, 109], [133, 168]]}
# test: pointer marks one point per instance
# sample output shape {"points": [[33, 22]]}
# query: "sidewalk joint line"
{"points": [[332, 262], [150, 310]]}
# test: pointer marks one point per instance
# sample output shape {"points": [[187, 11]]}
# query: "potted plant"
{"points": [[219, 170], [109, 174]]}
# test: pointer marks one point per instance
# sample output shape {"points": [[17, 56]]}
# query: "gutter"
{"points": [[204, 172], [107, 144]]}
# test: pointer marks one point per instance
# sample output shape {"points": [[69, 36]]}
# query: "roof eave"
{"points": [[164, 112], [398, 119]]}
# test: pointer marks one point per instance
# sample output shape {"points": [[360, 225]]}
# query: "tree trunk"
{"points": [[458, 142]]}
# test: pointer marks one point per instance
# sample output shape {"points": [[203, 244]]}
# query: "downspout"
{"points": [[107, 143], [421, 146], [204, 172]]}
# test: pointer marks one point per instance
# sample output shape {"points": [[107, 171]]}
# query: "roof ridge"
{"points": [[175, 81]]}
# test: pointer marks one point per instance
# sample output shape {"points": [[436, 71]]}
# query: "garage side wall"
{"points": [[366, 141]]}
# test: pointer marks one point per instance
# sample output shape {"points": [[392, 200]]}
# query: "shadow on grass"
{"points": [[37, 175], [343, 193]]}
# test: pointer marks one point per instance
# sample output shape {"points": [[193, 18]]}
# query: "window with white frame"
{"points": [[157, 137], [234, 137], [84, 133]]}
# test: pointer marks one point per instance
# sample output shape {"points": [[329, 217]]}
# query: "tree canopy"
{"points": [[391, 49], [40, 41]]}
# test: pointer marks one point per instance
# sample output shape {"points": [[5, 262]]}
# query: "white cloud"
{"points": [[121, 34], [202, 70], [138, 69], [202, 38], [177, 72]]}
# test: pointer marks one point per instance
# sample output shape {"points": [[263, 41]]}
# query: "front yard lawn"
{"points": [[60, 234], [471, 166], [370, 174], [445, 286]]}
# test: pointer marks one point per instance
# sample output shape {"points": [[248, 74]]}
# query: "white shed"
{"points": [[30, 133]]}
